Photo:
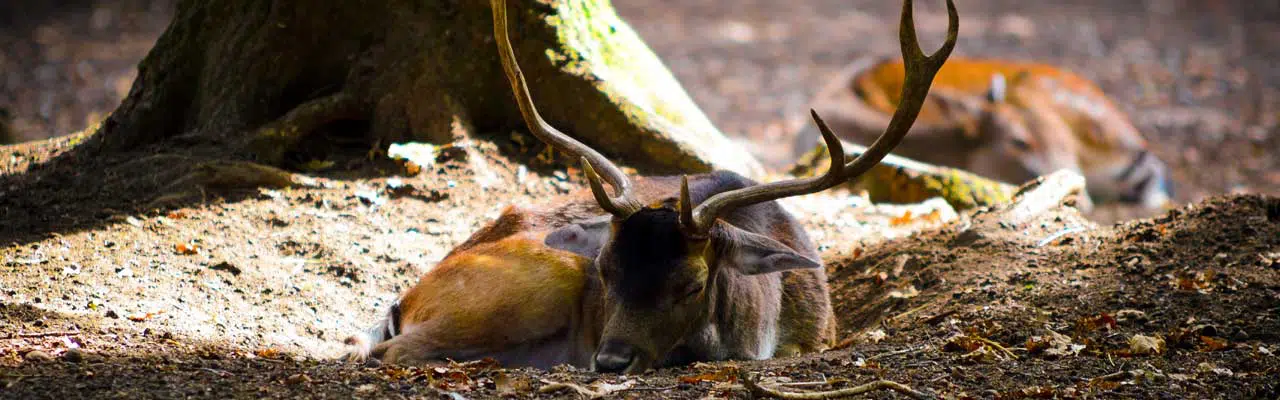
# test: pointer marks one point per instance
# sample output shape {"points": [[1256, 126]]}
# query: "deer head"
{"points": [[1027, 127]]}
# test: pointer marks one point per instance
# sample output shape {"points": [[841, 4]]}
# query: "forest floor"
{"points": [[248, 292], [110, 286]]}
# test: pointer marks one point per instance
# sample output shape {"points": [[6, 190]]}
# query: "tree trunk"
{"points": [[259, 76]]}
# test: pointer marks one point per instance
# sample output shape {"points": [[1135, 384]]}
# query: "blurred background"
{"points": [[1201, 78]]}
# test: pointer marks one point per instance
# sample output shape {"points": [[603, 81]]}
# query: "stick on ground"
{"points": [[762, 391]]}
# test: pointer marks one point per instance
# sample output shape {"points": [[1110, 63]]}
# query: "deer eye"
{"points": [[690, 291], [1020, 144]]}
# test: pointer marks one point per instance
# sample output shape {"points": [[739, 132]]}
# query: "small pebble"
{"points": [[73, 356]]}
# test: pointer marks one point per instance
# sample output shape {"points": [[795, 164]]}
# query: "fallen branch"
{"points": [[603, 388], [908, 350], [1044, 194], [934, 319], [757, 389], [40, 335]]}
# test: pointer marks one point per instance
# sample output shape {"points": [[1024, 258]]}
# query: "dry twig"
{"points": [[40, 335], [759, 390]]}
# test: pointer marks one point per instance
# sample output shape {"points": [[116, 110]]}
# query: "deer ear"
{"points": [[752, 254], [997, 92], [583, 238]]}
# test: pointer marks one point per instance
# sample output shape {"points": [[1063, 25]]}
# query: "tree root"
{"points": [[759, 390], [229, 175], [898, 179], [272, 140], [1045, 193], [1032, 200]]}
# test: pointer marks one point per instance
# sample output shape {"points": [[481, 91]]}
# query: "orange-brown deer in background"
{"points": [[1007, 120], [711, 269]]}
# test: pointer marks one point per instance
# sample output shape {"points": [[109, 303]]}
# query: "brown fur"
{"points": [[513, 299], [1050, 119], [505, 294]]}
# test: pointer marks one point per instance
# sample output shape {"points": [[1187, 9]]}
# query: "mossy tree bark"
{"points": [[260, 76]]}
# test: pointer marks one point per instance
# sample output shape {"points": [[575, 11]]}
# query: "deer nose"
{"points": [[614, 356]]}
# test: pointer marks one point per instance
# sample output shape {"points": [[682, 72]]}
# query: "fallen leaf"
{"points": [[186, 249], [1200, 281], [981, 355], [1210, 343], [511, 385], [268, 353], [904, 219], [1206, 367], [1142, 345], [909, 292], [139, 317], [961, 343], [1100, 321], [726, 374], [1053, 345], [876, 336]]}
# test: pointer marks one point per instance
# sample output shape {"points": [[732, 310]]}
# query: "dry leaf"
{"points": [[509, 385], [268, 353], [906, 293], [981, 355], [961, 343], [1199, 282], [186, 249], [876, 336], [1210, 343], [727, 374], [139, 317], [901, 220], [1142, 345], [1053, 345], [1090, 324]]}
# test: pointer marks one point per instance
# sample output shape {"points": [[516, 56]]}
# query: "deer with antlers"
{"points": [[660, 271]]}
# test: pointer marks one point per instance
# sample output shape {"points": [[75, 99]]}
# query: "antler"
{"points": [[624, 203], [920, 70]]}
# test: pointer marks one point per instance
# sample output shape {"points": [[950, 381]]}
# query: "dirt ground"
{"points": [[248, 292]]}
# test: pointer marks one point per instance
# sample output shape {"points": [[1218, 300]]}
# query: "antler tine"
{"points": [[624, 203], [920, 70], [686, 206]]}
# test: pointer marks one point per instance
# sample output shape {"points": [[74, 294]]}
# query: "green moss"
{"points": [[654, 114], [594, 40]]}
